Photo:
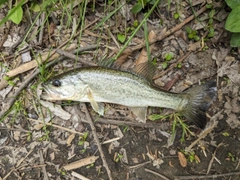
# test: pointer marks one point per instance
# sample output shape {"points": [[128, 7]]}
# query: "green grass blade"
{"points": [[107, 17]]}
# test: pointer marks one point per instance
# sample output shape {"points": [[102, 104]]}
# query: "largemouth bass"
{"points": [[100, 84]]}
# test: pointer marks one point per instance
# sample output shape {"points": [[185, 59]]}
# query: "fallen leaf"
{"points": [[56, 110], [70, 139], [182, 159]]}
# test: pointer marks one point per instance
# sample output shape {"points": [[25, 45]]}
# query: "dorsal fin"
{"points": [[106, 63], [146, 70]]}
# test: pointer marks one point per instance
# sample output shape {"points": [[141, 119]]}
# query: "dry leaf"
{"points": [[197, 158], [57, 110], [70, 139], [182, 159]]}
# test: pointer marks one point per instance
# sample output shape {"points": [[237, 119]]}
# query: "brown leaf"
{"points": [[182, 159], [197, 158], [70, 139]]}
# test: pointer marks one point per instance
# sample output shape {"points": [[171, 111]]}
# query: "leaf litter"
{"points": [[59, 147]]}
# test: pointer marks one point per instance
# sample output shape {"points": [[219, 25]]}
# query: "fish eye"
{"points": [[56, 83]]}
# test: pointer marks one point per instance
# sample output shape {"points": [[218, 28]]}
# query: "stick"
{"points": [[45, 175], [205, 176], [131, 123], [4, 38], [80, 163], [72, 56], [160, 175], [213, 157], [56, 126], [79, 176], [97, 141]]}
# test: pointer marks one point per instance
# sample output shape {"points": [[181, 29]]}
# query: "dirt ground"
{"points": [[55, 140]]}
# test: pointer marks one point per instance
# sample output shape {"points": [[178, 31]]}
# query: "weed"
{"points": [[192, 34], [89, 166], [118, 157], [232, 22], [83, 138], [225, 134], [62, 172], [141, 4], [192, 157], [168, 57], [231, 157], [45, 137]]}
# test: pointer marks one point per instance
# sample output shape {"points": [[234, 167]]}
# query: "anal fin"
{"points": [[140, 112]]}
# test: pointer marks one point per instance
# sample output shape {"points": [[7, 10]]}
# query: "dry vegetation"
{"points": [[68, 140]]}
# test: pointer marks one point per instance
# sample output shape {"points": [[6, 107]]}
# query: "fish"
{"points": [[134, 89]]}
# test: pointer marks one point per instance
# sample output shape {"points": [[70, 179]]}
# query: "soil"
{"points": [[38, 140]]}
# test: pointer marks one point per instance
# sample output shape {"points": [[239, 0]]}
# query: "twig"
{"points": [[160, 175], [172, 66], [72, 56], [80, 163], [79, 176], [4, 38], [131, 123], [20, 40], [213, 157], [14, 129], [27, 81], [56, 126], [205, 176], [14, 55], [21, 160], [97, 141], [43, 168], [203, 135], [40, 38], [136, 166], [237, 164]]}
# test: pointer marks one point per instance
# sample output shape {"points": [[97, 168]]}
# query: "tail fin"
{"points": [[200, 99]]}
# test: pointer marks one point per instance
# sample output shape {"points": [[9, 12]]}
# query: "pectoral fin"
{"points": [[98, 107], [140, 112]]}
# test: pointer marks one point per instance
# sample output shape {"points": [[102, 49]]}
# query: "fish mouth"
{"points": [[48, 94]]}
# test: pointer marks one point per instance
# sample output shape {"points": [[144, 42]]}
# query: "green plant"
{"points": [[62, 172], [118, 157], [225, 134], [191, 156], [154, 117], [168, 57], [45, 137], [121, 37], [192, 34], [176, 15], [89, 166], [231, 156], [232, 23], [141, 4], [177, 121], [83, 138], [210, 24]]}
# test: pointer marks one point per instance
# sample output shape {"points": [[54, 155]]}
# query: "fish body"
{"points": [[100, 84]]}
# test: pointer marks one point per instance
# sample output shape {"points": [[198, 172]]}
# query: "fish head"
{"points": [[63, 88]]}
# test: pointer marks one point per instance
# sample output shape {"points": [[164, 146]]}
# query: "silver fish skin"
{"points": [[100, 84]]}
